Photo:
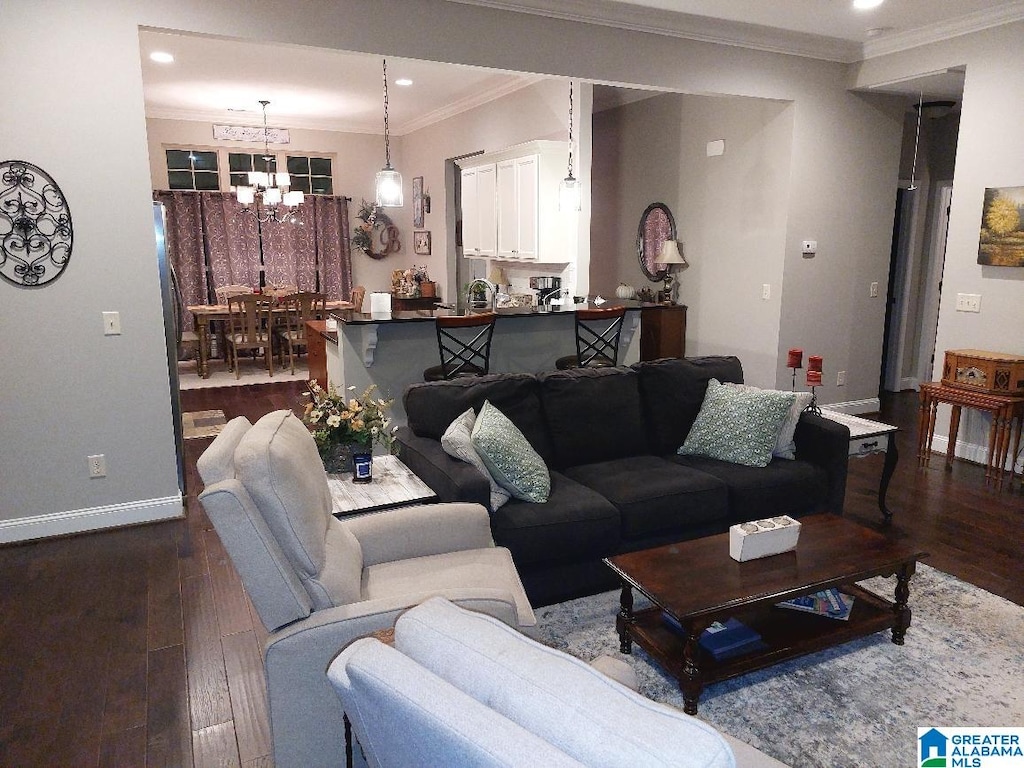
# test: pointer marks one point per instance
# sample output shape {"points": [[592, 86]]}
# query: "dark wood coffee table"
{"points": [[696, 583]]}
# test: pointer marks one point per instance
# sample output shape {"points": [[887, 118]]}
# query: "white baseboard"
{"points": [[91, 519], [854, 407], [969, 452]]}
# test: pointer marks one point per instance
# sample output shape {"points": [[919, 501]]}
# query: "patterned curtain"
{"points": [[218, 245]]}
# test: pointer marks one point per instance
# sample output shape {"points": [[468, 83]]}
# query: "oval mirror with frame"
{"points": [[656, 226]]}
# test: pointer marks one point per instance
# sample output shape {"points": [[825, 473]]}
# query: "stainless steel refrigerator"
{"points": [[172, 312]]}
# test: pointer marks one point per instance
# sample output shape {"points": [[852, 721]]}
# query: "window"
{"points": [[311, 175], [192, 169], [240, 163]]}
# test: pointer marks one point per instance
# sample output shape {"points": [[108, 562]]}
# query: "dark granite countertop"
{"points": [[414, 316]]}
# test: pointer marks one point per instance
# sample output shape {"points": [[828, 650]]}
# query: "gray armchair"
{"points": [[318, 583]]}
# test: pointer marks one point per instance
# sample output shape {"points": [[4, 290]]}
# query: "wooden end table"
{"points": [[695, 583], [394, 485], [866, 439]]}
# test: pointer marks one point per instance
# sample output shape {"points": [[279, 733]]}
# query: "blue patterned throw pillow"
{"points": [[738, 426], [509, 457]]}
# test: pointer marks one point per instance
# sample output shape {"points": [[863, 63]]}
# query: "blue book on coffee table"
{"points": [[725, 639]]}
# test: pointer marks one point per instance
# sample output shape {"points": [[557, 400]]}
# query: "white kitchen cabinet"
{"points": [[525, 224], [479, 214]]}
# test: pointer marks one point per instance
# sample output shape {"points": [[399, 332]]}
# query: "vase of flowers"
{"points": [[344, 426]]}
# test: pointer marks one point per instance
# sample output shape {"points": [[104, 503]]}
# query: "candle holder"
{"points": [[813, 405]]}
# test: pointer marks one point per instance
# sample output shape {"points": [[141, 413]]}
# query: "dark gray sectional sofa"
{"points": [[609, 437]]}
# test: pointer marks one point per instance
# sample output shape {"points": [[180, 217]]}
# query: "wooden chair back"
{"points": [[225, 291]]}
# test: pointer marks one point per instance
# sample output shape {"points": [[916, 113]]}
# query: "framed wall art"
{"points": [[1001, 243], [421, 243], [417, 201]]}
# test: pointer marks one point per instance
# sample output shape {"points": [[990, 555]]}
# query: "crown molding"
{"points": [[476, 99], [1007, 13], [683, 25]]}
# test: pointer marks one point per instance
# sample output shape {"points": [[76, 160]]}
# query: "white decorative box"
{"points": [[761, 538]]}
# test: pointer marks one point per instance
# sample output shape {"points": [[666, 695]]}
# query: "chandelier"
{"points": [[268, 188], [389, 181]]}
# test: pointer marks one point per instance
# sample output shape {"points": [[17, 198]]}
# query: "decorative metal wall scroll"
{"points": [[35, 225]]}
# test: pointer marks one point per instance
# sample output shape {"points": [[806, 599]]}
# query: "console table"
{"points": [[1007, 413], [867, 438]]}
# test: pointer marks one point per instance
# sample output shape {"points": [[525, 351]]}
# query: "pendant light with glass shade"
{"points": [[389, 181], [569, 192]]}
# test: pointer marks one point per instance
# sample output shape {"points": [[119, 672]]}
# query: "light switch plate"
{"points": [[968, 302], [809, 247], [111, 323], [716, 148]]}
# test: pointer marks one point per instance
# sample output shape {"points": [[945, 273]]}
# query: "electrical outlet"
{"points": [[873, 290], [111, 323], [97, 465], [766, 291], [968, 302], [841, 379]]}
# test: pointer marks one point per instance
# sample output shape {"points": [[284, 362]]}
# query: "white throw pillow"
{"points": [[785, 445], [457, 443]]}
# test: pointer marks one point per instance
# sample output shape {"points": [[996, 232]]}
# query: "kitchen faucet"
{"points": [[488, 285]]}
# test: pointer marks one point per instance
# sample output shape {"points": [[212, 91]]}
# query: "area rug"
{"points": [[202, 423], [859, 704]]}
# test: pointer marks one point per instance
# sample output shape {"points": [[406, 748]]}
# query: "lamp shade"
{"points": [[245, 195], [570, 197], [389, 188], [670, 254]]}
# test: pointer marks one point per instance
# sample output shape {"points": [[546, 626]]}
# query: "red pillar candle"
{"points": [[814, 364], [813, 377], [796, 359]]}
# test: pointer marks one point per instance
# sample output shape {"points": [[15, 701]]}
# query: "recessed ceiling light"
{"points": [[864, 5], [403, 81], [161, 57]]}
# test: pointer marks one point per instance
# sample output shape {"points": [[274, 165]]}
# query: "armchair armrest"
{"points": [[826, 443], [422, 530], [450, 479]]}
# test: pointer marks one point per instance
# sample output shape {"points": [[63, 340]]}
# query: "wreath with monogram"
{"points": [[376, 226]]}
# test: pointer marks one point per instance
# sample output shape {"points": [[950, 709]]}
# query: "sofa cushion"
{"points": [[509, 457], [653, 495], [278, 463], [593, 414], [782, 488], [740, 426], [404, 714], [575, 523], [785, 445], [554, 695], [431, 406], [671, 392], [457, 442]]}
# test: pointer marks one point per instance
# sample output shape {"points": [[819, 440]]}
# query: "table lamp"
{"points": [[672, 257]]}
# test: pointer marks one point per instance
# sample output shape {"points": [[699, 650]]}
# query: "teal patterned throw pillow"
{"points": [[509, 457], [738, 426]]}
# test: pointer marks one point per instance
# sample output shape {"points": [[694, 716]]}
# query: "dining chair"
{"points": [[597, 339], [298, 308], [223, 292], [249, 328], [464, 343]]}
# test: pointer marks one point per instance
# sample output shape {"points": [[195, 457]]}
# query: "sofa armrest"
{"points": [[420, 531], [826, 443], [450, 478]]}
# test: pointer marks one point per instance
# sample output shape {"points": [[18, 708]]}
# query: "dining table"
{"points": [[205, 315]]}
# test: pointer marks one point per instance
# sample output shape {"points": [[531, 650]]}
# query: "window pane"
{"points": [[322, 186], [204, 161], [298, 165], [178, 159], [206, 180], [239, 180], [300, 184], [320, 166], [239, 163], [180, 179]]}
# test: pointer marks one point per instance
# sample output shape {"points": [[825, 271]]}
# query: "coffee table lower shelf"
{"points": [[786, 633]]}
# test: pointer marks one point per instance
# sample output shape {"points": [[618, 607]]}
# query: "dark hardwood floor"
{"points": [[138, 646]]}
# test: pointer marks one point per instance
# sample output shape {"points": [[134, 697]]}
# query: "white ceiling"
{"points": [[222, 81]]}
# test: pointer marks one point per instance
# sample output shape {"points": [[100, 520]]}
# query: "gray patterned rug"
{"points": [[856, 705]]}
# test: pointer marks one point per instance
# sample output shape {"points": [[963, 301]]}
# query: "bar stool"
{"points": [[464, 343], [597, 339]]}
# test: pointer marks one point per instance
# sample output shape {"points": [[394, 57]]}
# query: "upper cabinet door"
{"points": [[470, 213], [478, 211], [486, 205], [527, 198]]}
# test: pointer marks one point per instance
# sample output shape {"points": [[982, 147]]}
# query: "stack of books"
{"points": [[830, 602], [724, 640]]}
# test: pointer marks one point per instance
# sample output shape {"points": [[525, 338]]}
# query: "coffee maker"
{"points": [[546, 287]]}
